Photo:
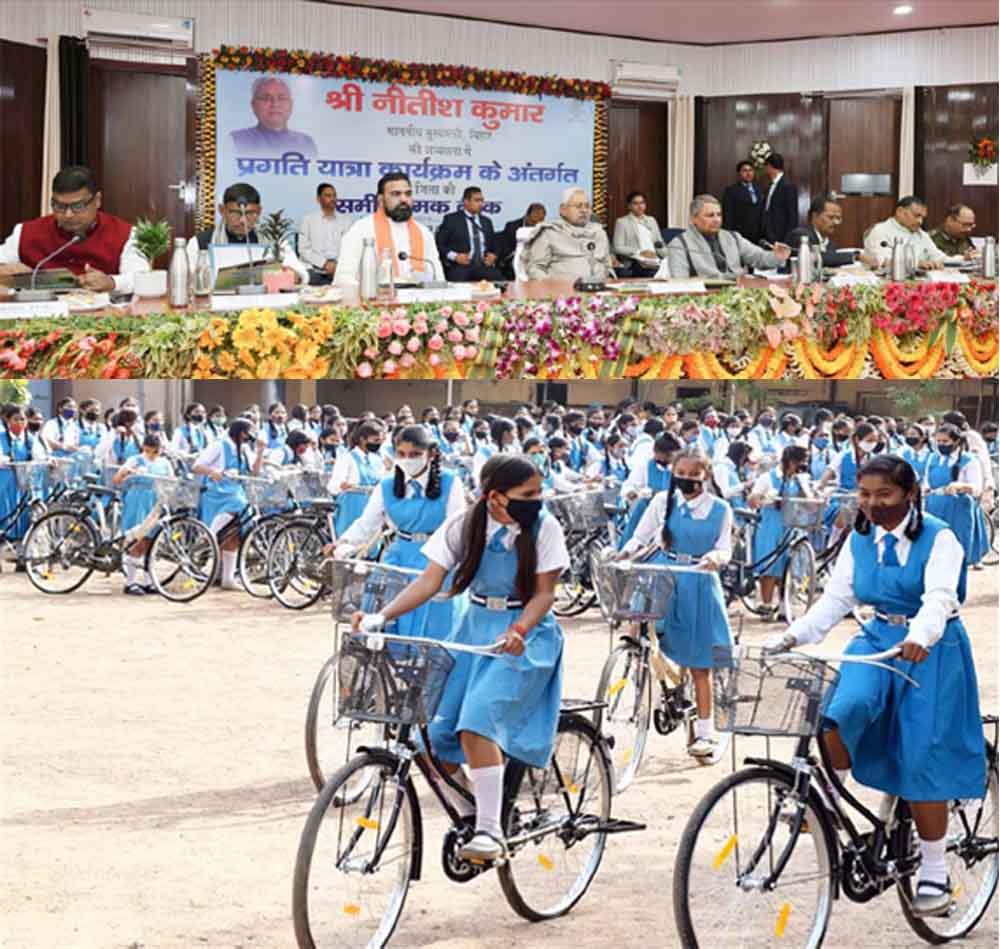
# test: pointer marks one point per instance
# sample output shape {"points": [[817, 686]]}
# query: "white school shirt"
{"points": [[940, 599], [641, 451], [180, 442], [320, 237], [977, 447], [638, 477], [970, 473], [213, 456], [68, 433], [444, 547], [130, 262], [650, 525], [105, 452], [722, 471], [764, 488], [345, 471], [374, 514], [352, 244]]}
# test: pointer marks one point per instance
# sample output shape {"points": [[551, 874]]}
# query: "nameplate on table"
{"points": [[678, 286], [843, 279], [253, 301], [432, 295], [34, 311], [947, 276]]}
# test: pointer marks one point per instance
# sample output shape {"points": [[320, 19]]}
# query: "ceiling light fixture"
{"points": [[904, 9]]}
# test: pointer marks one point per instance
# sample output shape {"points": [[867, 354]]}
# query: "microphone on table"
{"points": [[252, 286], [592, 284], [34, 295], [435, 284]]}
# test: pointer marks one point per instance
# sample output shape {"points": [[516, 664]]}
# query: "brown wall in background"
{"points": [[22, 116], [727, 126], [947, 117], [864, 139], [637, 158]]}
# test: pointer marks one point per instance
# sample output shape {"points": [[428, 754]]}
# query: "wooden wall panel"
{"points": [[637, 158], [946, 119], [726, 127], [22, 115], [864, 139]]}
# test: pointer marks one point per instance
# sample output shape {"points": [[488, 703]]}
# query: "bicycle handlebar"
{"points": [[491, 650]]}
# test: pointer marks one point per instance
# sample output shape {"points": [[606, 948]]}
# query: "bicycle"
{"points": [[354, 585], [67, 545], [584, 520], [639, 594], [357, 857], [30, 479], [771, 846]]}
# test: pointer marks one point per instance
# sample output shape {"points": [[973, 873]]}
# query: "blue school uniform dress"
{"points": [[709, 439], [579, 452], [819, 460], [614, 468], [415, 518], [226, 496], [351, 504], [765, 439], [696, 621], [768, 533], [847, 480], [276, 436], [918, 460], [657, 479], [15, 449], [511, 700], [66, 426], [962, 513], [138, 493], [922, 744], [195, 437]]}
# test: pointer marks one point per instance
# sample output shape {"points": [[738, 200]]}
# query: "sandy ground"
{"points": [[154, 785]]}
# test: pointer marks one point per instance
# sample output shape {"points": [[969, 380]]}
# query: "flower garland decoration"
{"points": [[204, 143], [983, 152], [759, 153], [352, 66]]}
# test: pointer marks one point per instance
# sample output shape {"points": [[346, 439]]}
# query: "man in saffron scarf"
{"points": [[394, 231]]}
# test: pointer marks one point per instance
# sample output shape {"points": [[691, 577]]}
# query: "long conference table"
{"points": [[755, 328]]}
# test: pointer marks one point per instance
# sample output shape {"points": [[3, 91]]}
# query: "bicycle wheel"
{"points": [[182, 559], [355, 861], [562, 808], [799, 580], [626, 686], [293, 562], [59, 552], [331, 740], [251, 559], [730, 845], [972, 865]]}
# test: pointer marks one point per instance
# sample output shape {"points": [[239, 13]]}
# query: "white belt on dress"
{"points": [[495, 602]]}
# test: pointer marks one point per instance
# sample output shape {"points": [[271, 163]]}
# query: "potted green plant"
{"points": [[152, 241], [276, 231]]}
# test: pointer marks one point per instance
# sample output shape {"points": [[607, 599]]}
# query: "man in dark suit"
{"points": [[743, 204], [466, 241], [507, 238], [781, 203], [825, 216]]}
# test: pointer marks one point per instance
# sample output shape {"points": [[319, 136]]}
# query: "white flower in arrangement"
{"points": [[759, 153]]}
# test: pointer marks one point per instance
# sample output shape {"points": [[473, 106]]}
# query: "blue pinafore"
{"points": [[922, 744], [768, 533], [138, 493], [847, 481], [15, 449], [695, 622], [918, 460], [657, 479], [511, 700], [819, 461], [415, 519], [961, 512], [351, 504], [226, 496]]}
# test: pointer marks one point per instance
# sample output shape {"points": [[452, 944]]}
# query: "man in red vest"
{"points": [[103, 258]]}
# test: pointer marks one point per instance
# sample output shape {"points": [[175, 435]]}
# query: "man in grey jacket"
{"points": [[572, 247], [706, 250]]}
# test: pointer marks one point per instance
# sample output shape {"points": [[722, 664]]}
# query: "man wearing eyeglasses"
{"points": [[271, 102], [574, 246], [239, 213], [104, 258]]}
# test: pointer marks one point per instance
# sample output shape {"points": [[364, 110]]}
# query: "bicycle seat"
{"points": [[747, 514]]}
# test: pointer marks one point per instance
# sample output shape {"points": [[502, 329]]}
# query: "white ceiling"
{"points": [[707, 21]]}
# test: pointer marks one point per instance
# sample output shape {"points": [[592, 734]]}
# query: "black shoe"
{"points": [[133, 589], [148, 588]]}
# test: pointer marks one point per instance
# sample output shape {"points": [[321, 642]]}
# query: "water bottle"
{"points": [[178, 276], [990, 259], [386, 279], [203, 274], [897, 263], [804, 262], [368, 271]]}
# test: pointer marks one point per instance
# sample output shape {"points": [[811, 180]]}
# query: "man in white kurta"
{"points": [[906, 224], [395, 201]]}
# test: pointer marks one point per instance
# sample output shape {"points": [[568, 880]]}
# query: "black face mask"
{"points": [[945, 449], [687, 486], [197, 419], [912, 442], [34, 426], [373, 447], [884, 514], [482, 436], [92, 416], [766, 422], [451, 436], [525, 512], [576, 430]]}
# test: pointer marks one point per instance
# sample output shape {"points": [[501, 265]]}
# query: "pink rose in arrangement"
{"points": [[441, 326], [407, 362], [364, 370], [789, 329], [384, 330], [434, 359], [396, 347], [773, 334], [401, 327], [389, 367], [454, 336], [435, 343], [472, 334], [461, 319], [446, 311], [420, 326], [470, 352], [458, 352], [413, 344], [371, 352]]}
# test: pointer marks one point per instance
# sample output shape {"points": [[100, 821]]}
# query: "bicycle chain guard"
{"points": [[455, 867]]}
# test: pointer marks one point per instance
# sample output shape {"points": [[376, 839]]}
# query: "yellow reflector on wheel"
{"points": [[187, 584], [782, 921], [352, 909], [956, 891], [46, 576], [571, 787], [176, 535], [723, 854], [367, 823], [546, 862], [626, 756], [617, 687]]}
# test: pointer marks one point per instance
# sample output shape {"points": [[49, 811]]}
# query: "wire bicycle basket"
{"points": [[579, 511]]}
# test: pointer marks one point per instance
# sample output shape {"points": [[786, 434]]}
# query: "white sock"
{"points": [[702, 728], [488, 783], [131, 569], [843, 775], [456, 800], [933, 867], [228, 566]]}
